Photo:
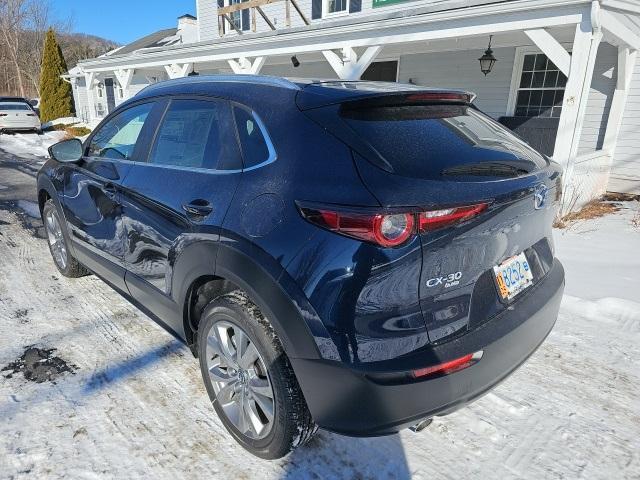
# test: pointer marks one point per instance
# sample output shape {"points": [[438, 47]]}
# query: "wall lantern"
{"points": [[487, 61]]}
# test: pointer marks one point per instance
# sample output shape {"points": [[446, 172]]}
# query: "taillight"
{"points": [[448, 367], [434, 219], [386, 229]]}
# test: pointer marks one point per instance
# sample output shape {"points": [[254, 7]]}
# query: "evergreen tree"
{"points": [[56, 99]]}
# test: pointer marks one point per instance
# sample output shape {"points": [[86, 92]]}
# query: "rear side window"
{"points": [[15, 106], [196, 134], [254, 140], [117, 138], [428, 141]]}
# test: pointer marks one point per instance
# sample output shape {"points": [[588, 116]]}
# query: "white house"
{"points": [[566, 77]]}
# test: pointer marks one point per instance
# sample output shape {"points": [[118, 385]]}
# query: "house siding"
{"points": [[208, 22], [207, 13], [80, 99], [460, 69], [625, 171], [599, 102]]}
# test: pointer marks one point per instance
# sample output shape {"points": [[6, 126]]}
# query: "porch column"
{"points": [[124, 77], [247, 67], [89, 79], [576, 94], [178, 70], [624, 71], [349, 66]]}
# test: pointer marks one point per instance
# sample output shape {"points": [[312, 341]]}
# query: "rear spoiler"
{"points": [[376, 94]]}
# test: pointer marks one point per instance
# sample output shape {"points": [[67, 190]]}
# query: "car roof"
{"points": [[14, 99], [310, 92]]}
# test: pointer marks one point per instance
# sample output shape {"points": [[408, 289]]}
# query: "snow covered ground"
{"points": [[129, 402], [29, 144]]}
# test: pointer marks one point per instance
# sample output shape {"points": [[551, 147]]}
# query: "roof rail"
{"points": [[227, 78]]}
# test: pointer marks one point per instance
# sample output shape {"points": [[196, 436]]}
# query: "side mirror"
{"points": [[67, 151]]}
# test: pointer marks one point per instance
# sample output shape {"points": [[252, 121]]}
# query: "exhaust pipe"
{"points": [[421, 425]]}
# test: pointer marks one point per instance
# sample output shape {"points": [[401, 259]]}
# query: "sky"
{"points": [[108, 20]]}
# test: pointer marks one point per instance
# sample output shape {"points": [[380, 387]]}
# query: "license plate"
{"points": [[513, 276]]}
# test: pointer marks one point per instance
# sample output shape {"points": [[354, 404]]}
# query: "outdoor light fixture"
{"points": [[487, 60], [295, 61]]}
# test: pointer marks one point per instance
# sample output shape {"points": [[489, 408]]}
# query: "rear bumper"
{"points": [[349, 401], [21, 128]]}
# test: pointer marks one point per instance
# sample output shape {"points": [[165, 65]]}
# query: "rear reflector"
{"points": [[448, 367]]}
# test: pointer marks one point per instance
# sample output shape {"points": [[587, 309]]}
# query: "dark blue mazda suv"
{"points": [[354, 256]]}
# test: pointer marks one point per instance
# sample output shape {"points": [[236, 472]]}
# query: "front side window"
{"points": [[196, 134], [117, 138], [254, 142], [541, 88]]}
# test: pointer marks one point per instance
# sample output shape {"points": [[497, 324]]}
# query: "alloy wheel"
{"points": [[56, 239], [240, 380]]}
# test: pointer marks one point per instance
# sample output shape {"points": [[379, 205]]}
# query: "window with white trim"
{"points": [[240, 21], [334, 7], [540, 89]]}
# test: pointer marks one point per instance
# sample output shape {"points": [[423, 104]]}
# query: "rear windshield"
{"points": [[430, 141], [14, 106]]}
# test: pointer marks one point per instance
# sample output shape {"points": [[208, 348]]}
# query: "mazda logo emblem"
{"points": [[540, 196]]}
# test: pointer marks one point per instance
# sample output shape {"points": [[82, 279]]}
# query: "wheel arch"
{"points": [[220, 269]]}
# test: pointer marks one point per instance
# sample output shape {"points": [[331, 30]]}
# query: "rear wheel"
{"points": [[66, 264], [250, 380]]}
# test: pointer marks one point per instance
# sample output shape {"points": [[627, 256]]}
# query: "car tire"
{"points": [[58, 243], [234, 316]]}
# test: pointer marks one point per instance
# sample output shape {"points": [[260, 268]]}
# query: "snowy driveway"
{"points": [[133, 405]]}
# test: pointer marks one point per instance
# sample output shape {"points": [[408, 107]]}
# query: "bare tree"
{"points": [[23, 24]]}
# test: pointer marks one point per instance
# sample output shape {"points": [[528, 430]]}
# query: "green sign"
{"points": [[384, 3]]}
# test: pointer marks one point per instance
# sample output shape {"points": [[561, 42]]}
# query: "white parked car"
{"points": [[17, 114]]}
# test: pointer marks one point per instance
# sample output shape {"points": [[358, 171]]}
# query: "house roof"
{"points": [[156, 39], [415, 24]]}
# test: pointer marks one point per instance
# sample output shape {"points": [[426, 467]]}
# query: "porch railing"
{"points": [[255, 8]]}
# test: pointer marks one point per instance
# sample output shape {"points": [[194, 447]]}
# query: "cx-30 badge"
{"points": [[540, 196]]}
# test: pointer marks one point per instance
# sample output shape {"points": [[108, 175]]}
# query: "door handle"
{"points": [[198, 208], [110, 191]]}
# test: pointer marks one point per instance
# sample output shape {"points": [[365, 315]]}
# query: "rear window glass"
{"points": [[253, 140], [429, 141], [14, 106]]}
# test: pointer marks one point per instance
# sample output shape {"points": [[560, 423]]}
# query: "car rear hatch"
{"points": [[17, 115], [483, 197]]}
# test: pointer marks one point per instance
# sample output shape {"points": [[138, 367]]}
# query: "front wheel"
{"points": [[249, 378], [66, 264]]}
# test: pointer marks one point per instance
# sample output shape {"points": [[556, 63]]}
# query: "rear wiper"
{"points": [[485, 169]]}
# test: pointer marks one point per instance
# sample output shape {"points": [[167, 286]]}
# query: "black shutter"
{"points": [[355, 6], [316, 9], [246, 21]]}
